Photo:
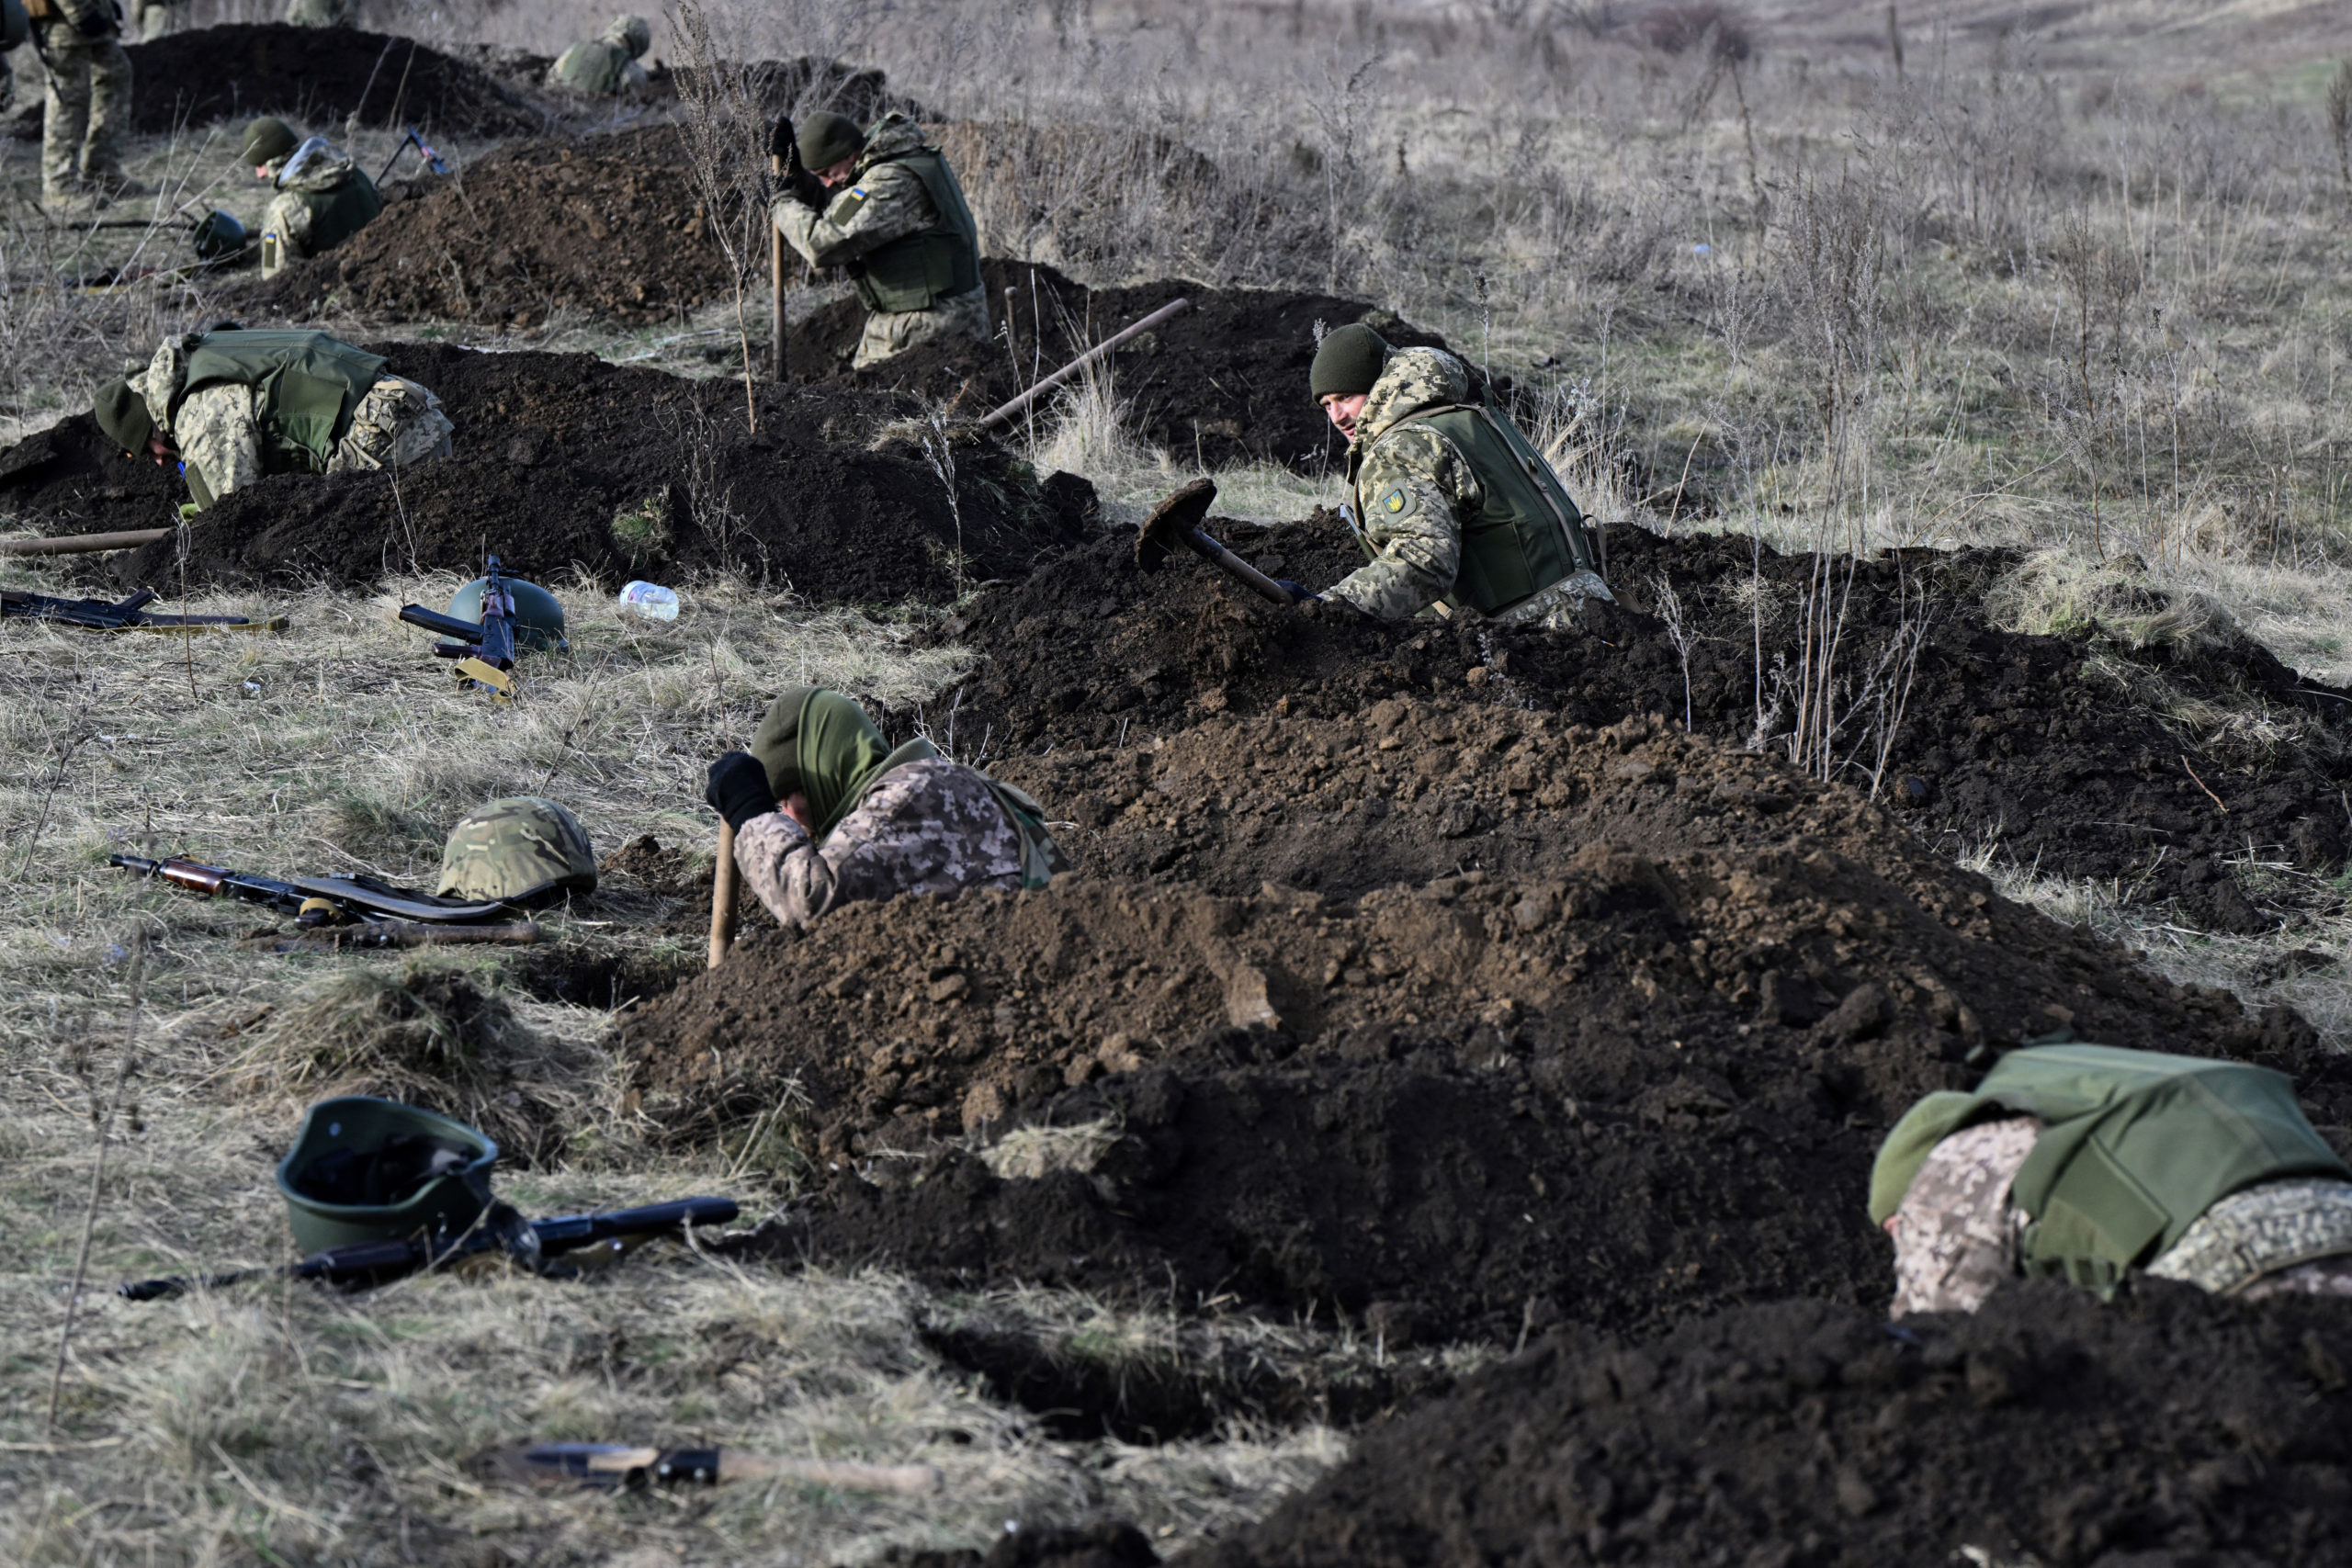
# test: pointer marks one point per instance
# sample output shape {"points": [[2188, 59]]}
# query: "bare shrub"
{"points": [[726, 141], [1723, 32]]}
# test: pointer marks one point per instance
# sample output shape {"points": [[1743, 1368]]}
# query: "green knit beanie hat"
{"points": [[1349, 361], [826, 139], [267, 140], [122, 413]]}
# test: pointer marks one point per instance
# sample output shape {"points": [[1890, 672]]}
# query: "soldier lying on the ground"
{"points": [[324, 198], [606, 65], [231, 406], [2083, 1162], [902, 231], [825, 813], [1452, 503]]}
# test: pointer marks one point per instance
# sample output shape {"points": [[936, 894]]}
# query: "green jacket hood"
{"points": [[1415, 378], [893, 136]]}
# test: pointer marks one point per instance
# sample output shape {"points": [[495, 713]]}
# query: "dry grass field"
{"points": [[2067, 280]]}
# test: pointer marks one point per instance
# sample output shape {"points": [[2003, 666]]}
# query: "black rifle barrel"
{"points": [[217, 882]]}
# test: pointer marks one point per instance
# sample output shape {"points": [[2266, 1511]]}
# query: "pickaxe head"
{"points": [[1171, 520]]}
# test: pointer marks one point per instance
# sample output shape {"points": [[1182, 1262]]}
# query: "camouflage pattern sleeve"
{"points": [[1956, 1232], [218, 432], [886, 203], [1416, 490], [289, 218], [930, 826]]}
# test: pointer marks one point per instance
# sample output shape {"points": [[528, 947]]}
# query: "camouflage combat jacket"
{"points": [[1417, 543], [323, 199], [927, 827]]}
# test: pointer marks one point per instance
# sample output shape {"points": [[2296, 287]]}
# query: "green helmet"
{"points": [[523, 850], [368, 1169], [632, 33], [219, 235], [267, 140], [538, 615]]}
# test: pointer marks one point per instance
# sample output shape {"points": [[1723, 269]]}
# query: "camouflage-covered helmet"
{"points": [[633, 33], [524, 850], [368, 1169], [538, 615], [267, 140]]}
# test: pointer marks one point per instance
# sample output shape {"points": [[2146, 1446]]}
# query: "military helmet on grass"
{"points": [[524, 850], [538, 615], [368, 1169]]}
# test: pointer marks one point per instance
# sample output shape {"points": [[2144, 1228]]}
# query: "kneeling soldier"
{"points": [[902, 231], [232, 406], [1452, 505], [322, 197], [606, 65], [2083, 1162], [825, 813]]}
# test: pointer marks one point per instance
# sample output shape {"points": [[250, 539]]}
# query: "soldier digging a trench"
{"points": [[825, 813], [606, 65], [1451, 504], [324, 198], [883, 207], [86, 117], [230, 406], [2086, 1162]]}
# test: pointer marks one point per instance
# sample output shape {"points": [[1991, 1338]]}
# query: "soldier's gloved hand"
{"points": [[739, 789], [1299, 592], [781, 143]]}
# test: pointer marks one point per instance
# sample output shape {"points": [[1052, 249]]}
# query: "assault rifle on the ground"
{"points": [[432, 161], [535, 1245], [484, 651], [315, 900], [126, 614], [623, 1466]]}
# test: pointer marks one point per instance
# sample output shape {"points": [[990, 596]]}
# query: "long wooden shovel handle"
{"points": [[722, 896], [1215, 553], [907, 1478], [776, 286]]}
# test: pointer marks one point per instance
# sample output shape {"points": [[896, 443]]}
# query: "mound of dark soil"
{"points": [[2005, 738], [551, 448], [607, 223], [317, 78], [1223, 382], [1641, 1074], [2168, 1428]]}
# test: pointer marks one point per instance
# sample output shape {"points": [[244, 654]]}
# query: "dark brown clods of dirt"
{"points": [[565, 460], [318, 77], [1639, 1072], [2010, 740], [2167, 1428], [1223, 382]]}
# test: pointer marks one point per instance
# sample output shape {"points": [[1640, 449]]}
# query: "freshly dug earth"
{"points": [[2013, 739], [1223, 382], [565, 460], [2166, 1429], [1638, 1072], [317, 78], [606, 223]]}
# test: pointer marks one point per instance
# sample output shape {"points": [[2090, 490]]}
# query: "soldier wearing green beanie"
{"points": [[1452, 505], [324, 196], [883, 207], [827, 812]]}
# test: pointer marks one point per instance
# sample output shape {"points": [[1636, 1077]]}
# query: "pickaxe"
{"points": [[1176, 521]]}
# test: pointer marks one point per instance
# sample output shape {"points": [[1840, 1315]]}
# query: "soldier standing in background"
{"points": [[608, 64], [318, 12], [899, 227], [88, 116], [322, 197]]}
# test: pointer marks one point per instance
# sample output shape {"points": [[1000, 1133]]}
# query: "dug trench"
{"points": [[565, 462]]}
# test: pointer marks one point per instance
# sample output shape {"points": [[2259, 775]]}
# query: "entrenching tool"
{"points": [[626, 1467], [780, 150], [84, 544], [995, 417], [722, 896], [1176, 521], [126, 614], [432, 161]]}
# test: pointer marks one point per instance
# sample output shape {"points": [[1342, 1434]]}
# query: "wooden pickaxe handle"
{"points": [[1217, 555], [776, 284], [722, 896]]}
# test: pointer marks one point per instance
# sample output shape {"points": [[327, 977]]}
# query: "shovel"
{"points": [[1177, 521]]}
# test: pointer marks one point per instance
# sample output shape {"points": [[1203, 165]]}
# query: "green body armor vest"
{"points": [[308, 383], [2135, 1146], [1528, 533], [338, 214], [593, 66], [916, 272]]}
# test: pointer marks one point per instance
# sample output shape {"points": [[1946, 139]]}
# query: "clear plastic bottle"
{"points": [[650, 600]]}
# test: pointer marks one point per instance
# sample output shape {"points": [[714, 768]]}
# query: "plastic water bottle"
{"points": [[652, 600]]}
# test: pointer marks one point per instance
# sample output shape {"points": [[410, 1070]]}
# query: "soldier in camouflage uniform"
{"points": [[525, 850], [88, 116], [900, 229], [151, 19], [16, 28], [318, 12], [1451, 505], [606, 65], [324, 198], [825, 813], [1960, 1227], [233, 406]]}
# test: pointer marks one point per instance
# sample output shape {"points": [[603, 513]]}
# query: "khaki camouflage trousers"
{"points": [[1557, 608], [890, 332], [396, 426], [151, 19], [88, 118]]}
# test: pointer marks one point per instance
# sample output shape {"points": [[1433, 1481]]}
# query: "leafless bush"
{"points": [[726, 154], [1723, 32]]}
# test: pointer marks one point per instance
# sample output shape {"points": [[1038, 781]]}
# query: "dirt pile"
{"points": [[1639, 1074], [318, 77], [604, 224], [2007, 738], [1225, 382], [564, 460], [2166, 1429]]}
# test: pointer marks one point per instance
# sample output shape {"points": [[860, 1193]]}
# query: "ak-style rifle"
{"points": [[316, 900]]}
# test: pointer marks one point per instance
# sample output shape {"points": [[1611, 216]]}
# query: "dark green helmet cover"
{"points": [[369, 1169], [538, 615], [825, 139], [267, 140]]}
